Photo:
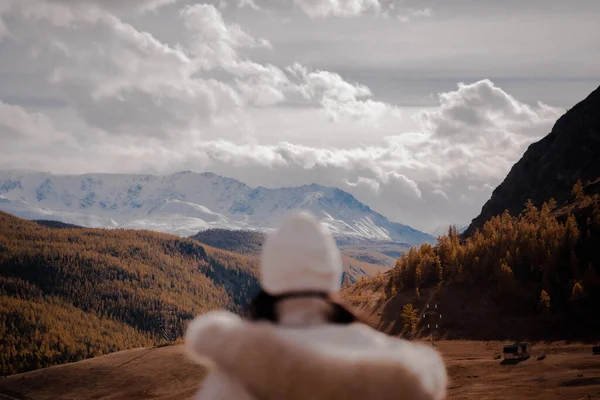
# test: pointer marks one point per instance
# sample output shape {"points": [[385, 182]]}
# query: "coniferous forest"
{"points": [[69, 294], [543, 262], [237, 241]]}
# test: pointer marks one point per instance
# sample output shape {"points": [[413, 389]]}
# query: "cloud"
{"points": [[4, 7], [137, 5], [3, 29], [128, 100], [31, 140], [441, 193], [213, 43], [337, 8], [119, 79], [480, 122], [19, 126], [371, 184], [356, 8], [411, 14], [126, 82], [438, 174], [339, 98], [248, 3]]}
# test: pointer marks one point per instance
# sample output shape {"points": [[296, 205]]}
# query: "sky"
{"points": [[419, 108]]}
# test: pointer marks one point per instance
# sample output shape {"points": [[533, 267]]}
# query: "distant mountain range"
{"points": [[185, 203]]}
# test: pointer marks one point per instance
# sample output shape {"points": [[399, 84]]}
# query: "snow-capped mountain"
{"points": [[187, 202]]}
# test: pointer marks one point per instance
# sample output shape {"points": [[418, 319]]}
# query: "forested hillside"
{"points": [[237, 241], [68, 294], [543, 265], [55, 224]]}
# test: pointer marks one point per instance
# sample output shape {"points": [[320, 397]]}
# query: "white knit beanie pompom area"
{"points": [[301, 255]]}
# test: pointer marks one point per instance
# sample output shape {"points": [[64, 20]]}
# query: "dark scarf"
{"points": [[264, 307]]}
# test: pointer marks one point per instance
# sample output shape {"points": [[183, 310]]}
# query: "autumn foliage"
{"points": [[409, 318], [69, 294], [237, 241], [545, 260]]}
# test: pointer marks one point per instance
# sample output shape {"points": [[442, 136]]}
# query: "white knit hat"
{"points": [[301, 255]]}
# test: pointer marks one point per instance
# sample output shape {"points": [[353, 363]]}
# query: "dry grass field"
{"points": [[569, 372], [155, 373]]}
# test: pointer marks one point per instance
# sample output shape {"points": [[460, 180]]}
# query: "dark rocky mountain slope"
{"points": [[550, 167]]}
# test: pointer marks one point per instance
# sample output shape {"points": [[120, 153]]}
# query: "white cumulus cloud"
{"points": [[411, 14], [98, 92], [337, 8]]}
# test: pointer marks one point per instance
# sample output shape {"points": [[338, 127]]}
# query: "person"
{"points": [[299, 341]]}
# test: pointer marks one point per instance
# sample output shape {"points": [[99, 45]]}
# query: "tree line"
{"points": [[544, 260]]}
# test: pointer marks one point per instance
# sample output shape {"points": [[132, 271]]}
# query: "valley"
{"points": [[69, 293], [450, 148], [109, 304], [374, 254]]}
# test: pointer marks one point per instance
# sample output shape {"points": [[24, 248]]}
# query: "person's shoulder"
{"points": [[360, 340], [357, 337], [210, 330], [425, 362]]}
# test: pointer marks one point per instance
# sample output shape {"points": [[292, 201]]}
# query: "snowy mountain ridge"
{"points": [[187, 202]]}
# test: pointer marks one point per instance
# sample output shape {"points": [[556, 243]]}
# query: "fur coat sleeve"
{"points": [[220, 386], [270, 366]]}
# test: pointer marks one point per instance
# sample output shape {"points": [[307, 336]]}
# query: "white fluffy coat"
{"points": [[259, 360]]}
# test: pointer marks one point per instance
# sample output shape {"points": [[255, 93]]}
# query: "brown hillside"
{"points": [[70, 294], [370, 257], [146, 373], [250, 243], [236, 241], [529, 277], [357, 270]]}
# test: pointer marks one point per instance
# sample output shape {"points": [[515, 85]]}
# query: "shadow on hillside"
{"points": [[580, 382], [472, 313]]}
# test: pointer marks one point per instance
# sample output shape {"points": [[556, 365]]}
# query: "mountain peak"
{"points": [[186, 202], [550, 167]]}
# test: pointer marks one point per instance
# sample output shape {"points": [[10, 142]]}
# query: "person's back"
{"points": [[318, 363], [301, 270]]}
